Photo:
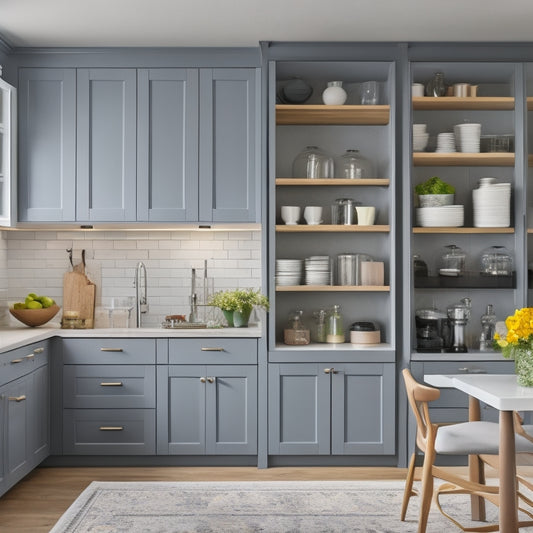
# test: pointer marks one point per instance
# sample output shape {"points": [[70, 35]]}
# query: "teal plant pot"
{"points": [[241, 319], [228, 315]]}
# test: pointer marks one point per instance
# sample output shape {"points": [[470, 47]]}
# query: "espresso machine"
{"points": [[431, 330], [458, 316]]}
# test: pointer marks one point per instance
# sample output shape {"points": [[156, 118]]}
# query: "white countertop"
{"points": [[14, 337]]}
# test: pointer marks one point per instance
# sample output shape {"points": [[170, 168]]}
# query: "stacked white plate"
{"points": [[420, 137], [445, 142], [288, 271], [318, 270], [492, 205], [442, 216], [467, 137]]}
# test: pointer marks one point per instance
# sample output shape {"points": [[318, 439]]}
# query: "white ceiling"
{"points": [[47, 23]]}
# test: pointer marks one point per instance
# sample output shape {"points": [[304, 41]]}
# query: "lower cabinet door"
{"points": [[298, 409], [109, 431], [363, 409], [40, 420]]}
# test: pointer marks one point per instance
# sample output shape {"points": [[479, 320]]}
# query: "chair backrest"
{"points": [[419, 396]]}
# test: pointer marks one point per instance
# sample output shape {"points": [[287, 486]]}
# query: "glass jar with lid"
{"points": [[352, 165], [313, 163], [452, 261], [496, 261], [335, 326], [319, 330], [296, 332]]}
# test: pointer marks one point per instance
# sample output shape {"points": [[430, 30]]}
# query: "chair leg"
{"points": [[476, 469], [408, 490], [426, 491]]}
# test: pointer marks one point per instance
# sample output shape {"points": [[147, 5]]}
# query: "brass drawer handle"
{"points": [[111, 384], [211, 380], [38, 350], [202, 380], [330, 371], [111, 350], [111, 428], [212, 349], [15, 361], [29, 356], [17, 398]]}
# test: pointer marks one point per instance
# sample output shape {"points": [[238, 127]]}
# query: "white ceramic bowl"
{"points": [[435, 200]]}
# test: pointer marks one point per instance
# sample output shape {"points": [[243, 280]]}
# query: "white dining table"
{"points": [[502, 392]]}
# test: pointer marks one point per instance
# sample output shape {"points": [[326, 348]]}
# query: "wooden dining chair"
{"points": [[476, 438]]}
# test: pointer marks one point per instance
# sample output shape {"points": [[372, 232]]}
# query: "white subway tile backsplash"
{"points": [[36, 261]]}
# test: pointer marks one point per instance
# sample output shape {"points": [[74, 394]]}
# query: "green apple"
{"points": [[34, 304]]}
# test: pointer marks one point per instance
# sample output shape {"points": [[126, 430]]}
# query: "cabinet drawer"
{"points": [[109, 386], [108, 351], [109, 431], [212, 351], [21, 361]]}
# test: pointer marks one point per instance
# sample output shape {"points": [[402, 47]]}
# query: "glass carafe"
{"points": [[312, 163], [319, 331], [436, 85], [335, 326]]}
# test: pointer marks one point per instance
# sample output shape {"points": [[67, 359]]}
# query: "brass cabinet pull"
{"points": [[111, 428], [330, 371], [17, 398], [111, 384], [29, 356], [15, 361], [202, 380], [38, 350], [211, 380], [111, 350], [211, 349]]}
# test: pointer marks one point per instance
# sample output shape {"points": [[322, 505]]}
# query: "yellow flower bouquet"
{"points": [[517, 344]]}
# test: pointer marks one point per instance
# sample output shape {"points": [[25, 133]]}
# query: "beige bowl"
{"points": [[35, 317]]}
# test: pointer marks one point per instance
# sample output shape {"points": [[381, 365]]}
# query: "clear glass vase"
{"points": [[312, 163]]}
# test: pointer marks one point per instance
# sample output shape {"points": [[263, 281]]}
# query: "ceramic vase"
{"points": [[334, 94], [228, 315], [241, 318]]}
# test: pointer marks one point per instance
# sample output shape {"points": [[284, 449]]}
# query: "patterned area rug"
{"points": [[269, 506]]}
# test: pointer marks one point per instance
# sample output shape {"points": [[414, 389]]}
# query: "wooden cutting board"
{"points": [[79, 295]]}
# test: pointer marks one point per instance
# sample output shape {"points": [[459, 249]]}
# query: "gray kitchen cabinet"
{"points": [[109, 392], [331, 409], [148, 145], [106, 145], [24, 412], [198, 145], [47, 145], [207, 397]]}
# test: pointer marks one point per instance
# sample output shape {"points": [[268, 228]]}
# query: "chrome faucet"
{"points": [[141, 301]]}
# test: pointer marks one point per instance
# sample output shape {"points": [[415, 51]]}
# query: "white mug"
{"points": [[313, 214], [417, 89], [365, 215], [290, 214]]}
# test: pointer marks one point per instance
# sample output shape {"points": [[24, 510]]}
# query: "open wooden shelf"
{"points": [[332, 288], [382, 182], [483, 159], [333, 114], [470, 280], [332, 228], [464, 231], [482, 103]]}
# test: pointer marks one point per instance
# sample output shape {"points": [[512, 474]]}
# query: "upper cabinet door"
{"points": [[167, 152], [47, 147], [229, 145], [106, 137], [8, 152]]}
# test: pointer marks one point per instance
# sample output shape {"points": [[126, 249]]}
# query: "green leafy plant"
{"points": [[434, 185], [241, 300]]}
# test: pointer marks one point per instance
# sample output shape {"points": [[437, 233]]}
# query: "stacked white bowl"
{"points": [[467, 137], [492, 204], [443, 216], [420, 137], [318, 270], [445, 142]]}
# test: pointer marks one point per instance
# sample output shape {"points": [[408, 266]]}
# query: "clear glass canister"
{"points": [[296, 332], [436, 85], [319, 331], [352, 165], [343, 211], [496, 261], [452, 261], [313, 163], [335, 326]]}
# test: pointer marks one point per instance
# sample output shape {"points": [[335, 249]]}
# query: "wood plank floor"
{"points": [[35, 504]]}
